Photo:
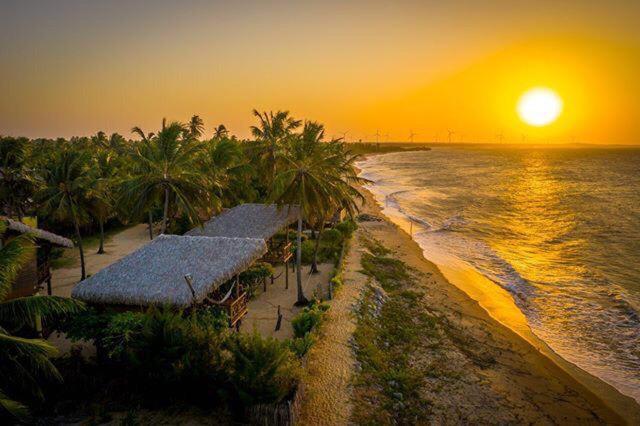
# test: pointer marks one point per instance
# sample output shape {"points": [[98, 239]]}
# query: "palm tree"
{"points": [[24, 362], [16, 180], [196, 127], [63, 195], [311, 177], [100, 195], [164, 171], [273, 131], [228, 172], [220, 132]]}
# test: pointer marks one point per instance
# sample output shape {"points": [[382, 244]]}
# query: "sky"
{"points": [[71, 67]]}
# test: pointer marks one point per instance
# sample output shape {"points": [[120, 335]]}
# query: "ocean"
{"points": [[556, 227]]}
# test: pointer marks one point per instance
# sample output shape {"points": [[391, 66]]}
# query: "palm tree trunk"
{"points": [[150, 225], [301, 299], [314, 262], [83, 271], [101, 248], [165, 213]]}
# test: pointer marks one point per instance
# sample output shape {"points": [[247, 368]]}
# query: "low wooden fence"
{"points": [[285, 413]]}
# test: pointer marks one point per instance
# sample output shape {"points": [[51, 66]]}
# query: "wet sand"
{"points": [[525, 382]]}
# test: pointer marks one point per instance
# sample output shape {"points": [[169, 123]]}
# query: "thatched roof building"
{"points": [[248, 221], [14, 225], [155, 273]]}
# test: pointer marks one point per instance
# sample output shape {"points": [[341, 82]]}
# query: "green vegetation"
{"points": [[24, 361], [171, 179], [308, 319], [391, 325], [164, 356]]}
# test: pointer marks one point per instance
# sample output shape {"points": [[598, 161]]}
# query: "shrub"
{"points": [[346, 228], [332, 237], [308, 319], [308, 247], [301, 345], [263, 370]]}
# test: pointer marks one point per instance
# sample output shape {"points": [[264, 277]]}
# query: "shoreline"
{"points": [[497, 306]]}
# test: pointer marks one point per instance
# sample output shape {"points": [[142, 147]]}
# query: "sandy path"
{"points": [[116, 247], [327, 399]]}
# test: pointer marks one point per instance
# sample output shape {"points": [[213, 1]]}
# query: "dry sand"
{"points": [[116, 247], [263, 308], [525, 383]]}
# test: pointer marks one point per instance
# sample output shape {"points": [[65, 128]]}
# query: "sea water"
{"points": [[558, 228]]}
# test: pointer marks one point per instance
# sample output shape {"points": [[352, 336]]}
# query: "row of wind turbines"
{"points": [[450, 138]]}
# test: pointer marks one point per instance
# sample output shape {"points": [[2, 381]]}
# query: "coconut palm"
{"points": [[273, 131], [63, 196], [228, 172], [196, 127], [312, 176], [24, 362], [100, 195], [164, 172], [220, 132], [16, 180]]}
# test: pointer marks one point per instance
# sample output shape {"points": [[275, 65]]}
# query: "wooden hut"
{"points": [[37, 272], [180, 271], [254, 221]]}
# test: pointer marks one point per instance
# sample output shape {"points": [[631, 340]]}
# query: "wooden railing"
{"points": [[236, 308], [280, 254]]}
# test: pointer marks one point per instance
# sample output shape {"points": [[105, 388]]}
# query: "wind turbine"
{"points": [[386, 137], [451, 133], [411, 135], [500, 137], [377, 135]]}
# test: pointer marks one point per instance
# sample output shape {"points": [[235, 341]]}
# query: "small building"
{"points": [[180, 271], [33, 276], [253, 221]]}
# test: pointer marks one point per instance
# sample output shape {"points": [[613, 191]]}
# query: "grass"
{"points": [[391, 325]]}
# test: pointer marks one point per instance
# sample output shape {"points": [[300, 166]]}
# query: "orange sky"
{"points": [[74, 67]]}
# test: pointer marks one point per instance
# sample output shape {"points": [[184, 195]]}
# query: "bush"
{"points": [[262, 370], [308, 319], [332, 237], [301, 345], [308, 247], [347, 228]]}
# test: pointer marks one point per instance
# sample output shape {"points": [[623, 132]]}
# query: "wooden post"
{"points": [[279, 321], [264, 284], [49, 291], [411, 228], [286, 275], [330, 289], [237, 286], [272, 278]]}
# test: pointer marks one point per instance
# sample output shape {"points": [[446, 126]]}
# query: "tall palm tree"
{"points": [[24, 362], [196, 127], [16, 179], [164, 171], [228, 172], [63, 196], [272, 131], [100, 195], [220, 132], [312, 178]]}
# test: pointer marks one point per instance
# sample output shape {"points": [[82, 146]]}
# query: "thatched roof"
{"points": [[154, 274], [41, 234], [248, 221]]}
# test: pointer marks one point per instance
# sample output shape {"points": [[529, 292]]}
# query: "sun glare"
{"points": [[539, 106]]}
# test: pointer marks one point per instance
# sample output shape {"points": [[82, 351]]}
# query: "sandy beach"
{"points": [[525, 382]]}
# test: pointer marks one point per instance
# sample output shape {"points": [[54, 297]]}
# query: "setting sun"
{"points": [[539, 107]]}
